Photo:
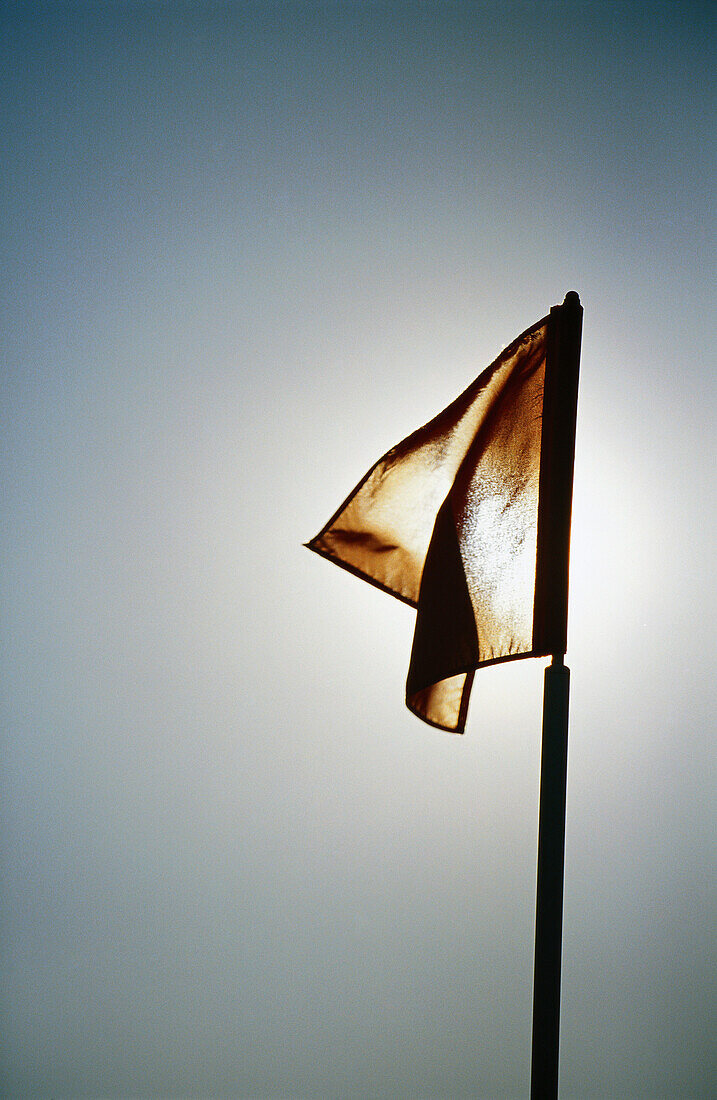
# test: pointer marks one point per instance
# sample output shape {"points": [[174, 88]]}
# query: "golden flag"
{"points": [[468, 520]]}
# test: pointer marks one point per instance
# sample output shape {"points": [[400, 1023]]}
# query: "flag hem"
{"points": [[469, 671], [311, 545]]}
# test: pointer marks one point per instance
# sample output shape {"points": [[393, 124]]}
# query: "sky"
{"points": [[245, 249]]}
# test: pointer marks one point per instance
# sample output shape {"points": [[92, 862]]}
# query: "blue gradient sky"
{"points": [[244, 250]]}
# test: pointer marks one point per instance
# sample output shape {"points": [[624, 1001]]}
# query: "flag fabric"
{"points": [[465, 520]]}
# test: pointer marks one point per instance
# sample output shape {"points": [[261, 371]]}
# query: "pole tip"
{"points": [[572, 298]]}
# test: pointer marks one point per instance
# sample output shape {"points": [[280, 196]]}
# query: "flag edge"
{"points": [[311, 545], [469, 670]]}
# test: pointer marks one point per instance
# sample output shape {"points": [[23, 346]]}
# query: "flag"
{"points": [[468, 520]]}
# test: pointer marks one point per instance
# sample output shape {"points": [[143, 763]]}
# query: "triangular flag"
{"points": [[468, 520]]}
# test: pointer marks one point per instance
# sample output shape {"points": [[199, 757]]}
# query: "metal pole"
{"points": [[549, 901]]}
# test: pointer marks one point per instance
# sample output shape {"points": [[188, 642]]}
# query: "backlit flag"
{"points": [[468, 520]]}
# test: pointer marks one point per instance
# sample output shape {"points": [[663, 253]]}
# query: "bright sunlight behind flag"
{"points": [[466, 521]]}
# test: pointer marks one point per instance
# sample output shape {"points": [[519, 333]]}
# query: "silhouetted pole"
{"points": [[550, 633], [549, 902]]}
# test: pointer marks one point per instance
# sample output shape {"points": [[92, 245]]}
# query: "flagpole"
{"points": [[549, 902], [551, 628]]}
